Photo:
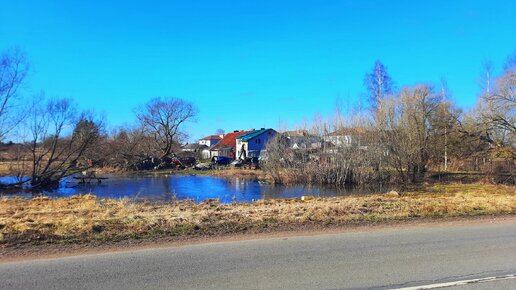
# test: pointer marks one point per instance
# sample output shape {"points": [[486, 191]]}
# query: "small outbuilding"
{"points": [[198, 150]]}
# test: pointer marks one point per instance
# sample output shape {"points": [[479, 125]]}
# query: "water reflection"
{"points": [[198, 188]]}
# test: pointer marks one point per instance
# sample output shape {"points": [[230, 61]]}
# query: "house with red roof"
{"points": [[227, 145]]}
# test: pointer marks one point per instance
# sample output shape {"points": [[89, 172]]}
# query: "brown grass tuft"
{"points": [[87, 219]]}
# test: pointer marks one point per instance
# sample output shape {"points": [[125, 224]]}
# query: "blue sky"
{"points": [[251, 64]]}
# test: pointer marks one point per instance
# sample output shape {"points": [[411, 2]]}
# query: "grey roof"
{"points": [[195, 146]]}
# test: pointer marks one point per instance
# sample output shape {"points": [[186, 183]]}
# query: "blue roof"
{"points": [[251, 135]]}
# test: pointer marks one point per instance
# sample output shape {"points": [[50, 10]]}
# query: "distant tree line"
{"points": [[58, 139], [405, 133]]}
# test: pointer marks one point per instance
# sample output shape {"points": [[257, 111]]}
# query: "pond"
{"points": [[196, 187]]}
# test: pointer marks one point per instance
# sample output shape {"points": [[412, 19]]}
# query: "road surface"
{"points": [[481, 256]]}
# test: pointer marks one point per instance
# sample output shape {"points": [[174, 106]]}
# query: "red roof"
{"points": [[212, 137], [229, 140]]}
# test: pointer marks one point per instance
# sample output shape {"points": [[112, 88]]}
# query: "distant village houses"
{"points": [[237, 145], [245, 144], [253, 143], [303, 140], [347, 137]]}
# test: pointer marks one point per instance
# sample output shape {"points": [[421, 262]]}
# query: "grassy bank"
{"points": [[84, 219], [224, 172]]}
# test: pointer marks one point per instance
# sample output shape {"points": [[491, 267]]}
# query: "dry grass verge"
{"points": [[84, 219]]}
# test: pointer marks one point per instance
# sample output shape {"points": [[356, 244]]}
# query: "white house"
{"points": [[211, 140]]}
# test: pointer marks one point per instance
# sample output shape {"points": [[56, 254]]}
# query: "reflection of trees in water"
{"points": [[239, 185], [168, 192], [242, 189], [280, 191]]}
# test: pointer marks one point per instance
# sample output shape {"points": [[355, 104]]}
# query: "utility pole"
{"points": [[445, 148], [443, 94]]}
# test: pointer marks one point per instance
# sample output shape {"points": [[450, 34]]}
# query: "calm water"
{"points": [[194, 187]]}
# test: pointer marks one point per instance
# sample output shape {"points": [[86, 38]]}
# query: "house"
{"points": [[350, 137], [253, 143], [226, 147], [211, 140], [338, 138], [302, 139], [197, 150]]}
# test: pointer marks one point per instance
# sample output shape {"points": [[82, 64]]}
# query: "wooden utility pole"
{"points": [[445, 148]]}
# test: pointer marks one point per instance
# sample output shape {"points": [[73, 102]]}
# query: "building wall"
{"points": [[214, 154], [256, 145], [209, 143], [344, 140], [205, 154], [223, 152], [239, 144]]}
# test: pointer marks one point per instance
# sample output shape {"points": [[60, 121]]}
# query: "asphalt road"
{"points": [[377, 259]]}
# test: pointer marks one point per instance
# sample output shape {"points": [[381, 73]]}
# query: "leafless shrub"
{"points": [[329, 154], [59, 140]]}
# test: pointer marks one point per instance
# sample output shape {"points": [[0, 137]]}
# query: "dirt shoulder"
{"points": [[85, 222], [48, 251]]}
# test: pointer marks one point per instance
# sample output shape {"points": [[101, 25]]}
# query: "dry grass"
{"points": [[86, 219], [11, 167]]}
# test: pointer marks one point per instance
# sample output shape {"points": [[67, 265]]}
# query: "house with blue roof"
{"points": [[253, 143]]}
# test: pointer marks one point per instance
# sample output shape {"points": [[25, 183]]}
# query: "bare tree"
{"points": [[59, 141], [378, 84], [510, 63], [492, 123], [163, 119], [127, 147], [13, 70], [499, 103], [405, 130]]}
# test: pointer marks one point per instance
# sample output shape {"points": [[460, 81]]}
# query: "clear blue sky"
{"points": [[249, 64]]}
